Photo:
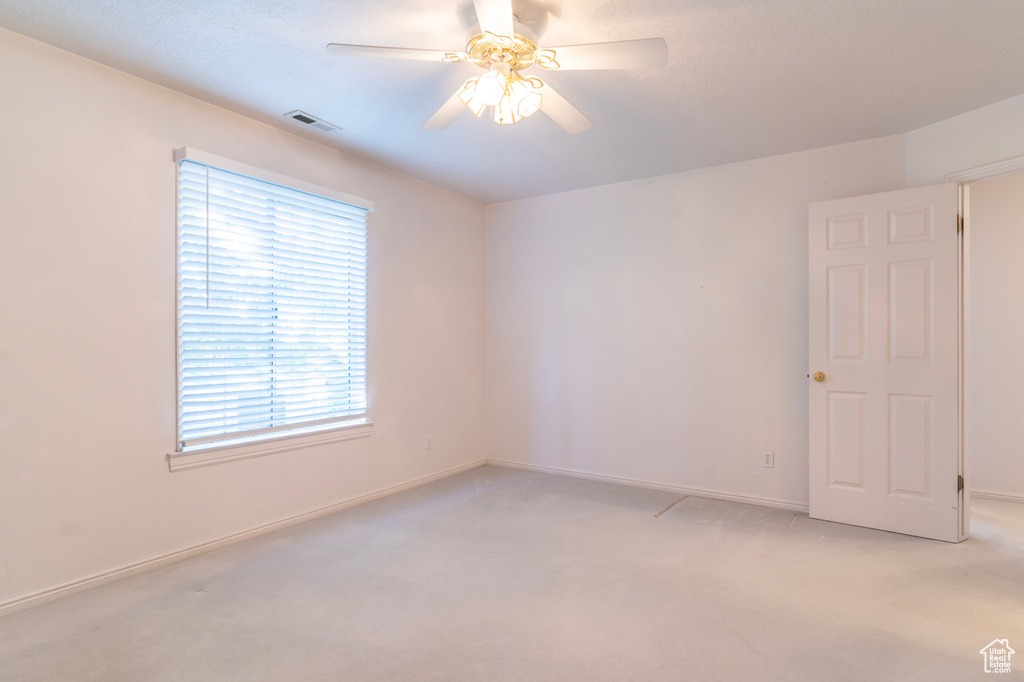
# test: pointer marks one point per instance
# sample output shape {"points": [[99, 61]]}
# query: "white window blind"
{"points": [[271, 307]]}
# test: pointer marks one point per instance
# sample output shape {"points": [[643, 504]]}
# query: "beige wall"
{"points": [[87, 314], [995, 362], [657, 330], [976, 138]]}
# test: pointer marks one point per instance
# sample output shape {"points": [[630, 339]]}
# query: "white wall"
{"points": [[87, 381], [978, 138], [657, 330], [996, 364]]}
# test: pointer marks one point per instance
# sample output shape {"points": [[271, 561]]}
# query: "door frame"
{"points": [[964, 179]]}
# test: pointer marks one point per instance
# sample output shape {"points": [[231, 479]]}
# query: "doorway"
{"points": [[993, 341]]}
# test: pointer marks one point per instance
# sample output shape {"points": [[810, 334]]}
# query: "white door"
{"points": [[884, 362]]}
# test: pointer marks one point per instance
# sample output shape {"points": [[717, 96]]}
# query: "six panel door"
{"points": [[884, 330]]}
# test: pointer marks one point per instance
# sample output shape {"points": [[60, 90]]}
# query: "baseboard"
{"points": [[998, 497], [697, 492], [104, 577]]}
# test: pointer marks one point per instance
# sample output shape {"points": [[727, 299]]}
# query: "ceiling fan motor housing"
{"points": [[516, 51]]}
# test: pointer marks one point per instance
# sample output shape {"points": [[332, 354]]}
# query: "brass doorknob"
{"points": [[819, 376]]}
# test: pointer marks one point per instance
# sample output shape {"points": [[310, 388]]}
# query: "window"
{"points": [[271, 304]]}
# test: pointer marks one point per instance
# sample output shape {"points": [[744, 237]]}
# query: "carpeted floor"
{"points": [[500, 574]]}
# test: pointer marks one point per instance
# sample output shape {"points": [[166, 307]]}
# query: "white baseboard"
{"points": [[35, 598], [697, 492], [998, 497]]}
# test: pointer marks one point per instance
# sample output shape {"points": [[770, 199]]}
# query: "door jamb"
{"points": [[963, 347], [963, 179]]}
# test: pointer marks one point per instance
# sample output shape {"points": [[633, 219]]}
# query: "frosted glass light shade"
{"points": [[531, 104], [469, 98], [525, 99], [490, 88]]}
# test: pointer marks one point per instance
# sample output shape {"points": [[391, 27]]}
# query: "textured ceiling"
{"points": [[745, 78]]}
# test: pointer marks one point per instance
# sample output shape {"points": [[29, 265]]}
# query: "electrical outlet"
{"points": [[768, 458], [430, 441]]}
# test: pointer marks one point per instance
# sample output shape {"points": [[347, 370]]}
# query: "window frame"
{"points": [[298, 436]]}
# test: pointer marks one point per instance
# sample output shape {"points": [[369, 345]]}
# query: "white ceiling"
{"points": [[745, 79]]}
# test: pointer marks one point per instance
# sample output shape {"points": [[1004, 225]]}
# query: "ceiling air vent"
{"points": [[312, 121]]}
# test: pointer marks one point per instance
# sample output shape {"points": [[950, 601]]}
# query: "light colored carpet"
{"points": [[498, 574]]}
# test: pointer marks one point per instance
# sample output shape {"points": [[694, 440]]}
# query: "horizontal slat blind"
{"points": [[271, 307]]}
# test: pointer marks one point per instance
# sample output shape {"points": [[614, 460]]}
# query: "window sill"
{"points": [[220, 453]]}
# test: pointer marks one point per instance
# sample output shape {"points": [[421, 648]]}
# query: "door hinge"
{"points": [[959, 483], [959, 223]]}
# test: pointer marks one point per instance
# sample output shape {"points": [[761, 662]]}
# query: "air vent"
{"points": [[312, 121]]}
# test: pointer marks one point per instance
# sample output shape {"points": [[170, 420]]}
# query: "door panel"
{"points": [[846, 333], [884, 329], [910, 444], [846, 439], [910, 307], [846, 232], [913, 224]]}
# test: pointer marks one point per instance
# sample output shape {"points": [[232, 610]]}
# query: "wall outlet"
{"points": [[430, 441], [768, 458]]}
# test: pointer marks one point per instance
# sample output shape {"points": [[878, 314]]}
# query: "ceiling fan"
{"points": [[504, 47]]}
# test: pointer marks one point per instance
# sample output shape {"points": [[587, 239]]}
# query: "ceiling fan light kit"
{"points": [[511, 96], [504, 47]]}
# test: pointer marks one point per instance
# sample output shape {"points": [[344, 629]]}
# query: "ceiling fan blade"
{"points": [[394, 53], [495, 16], [448, 112], [561, 112], [625, 54]]}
